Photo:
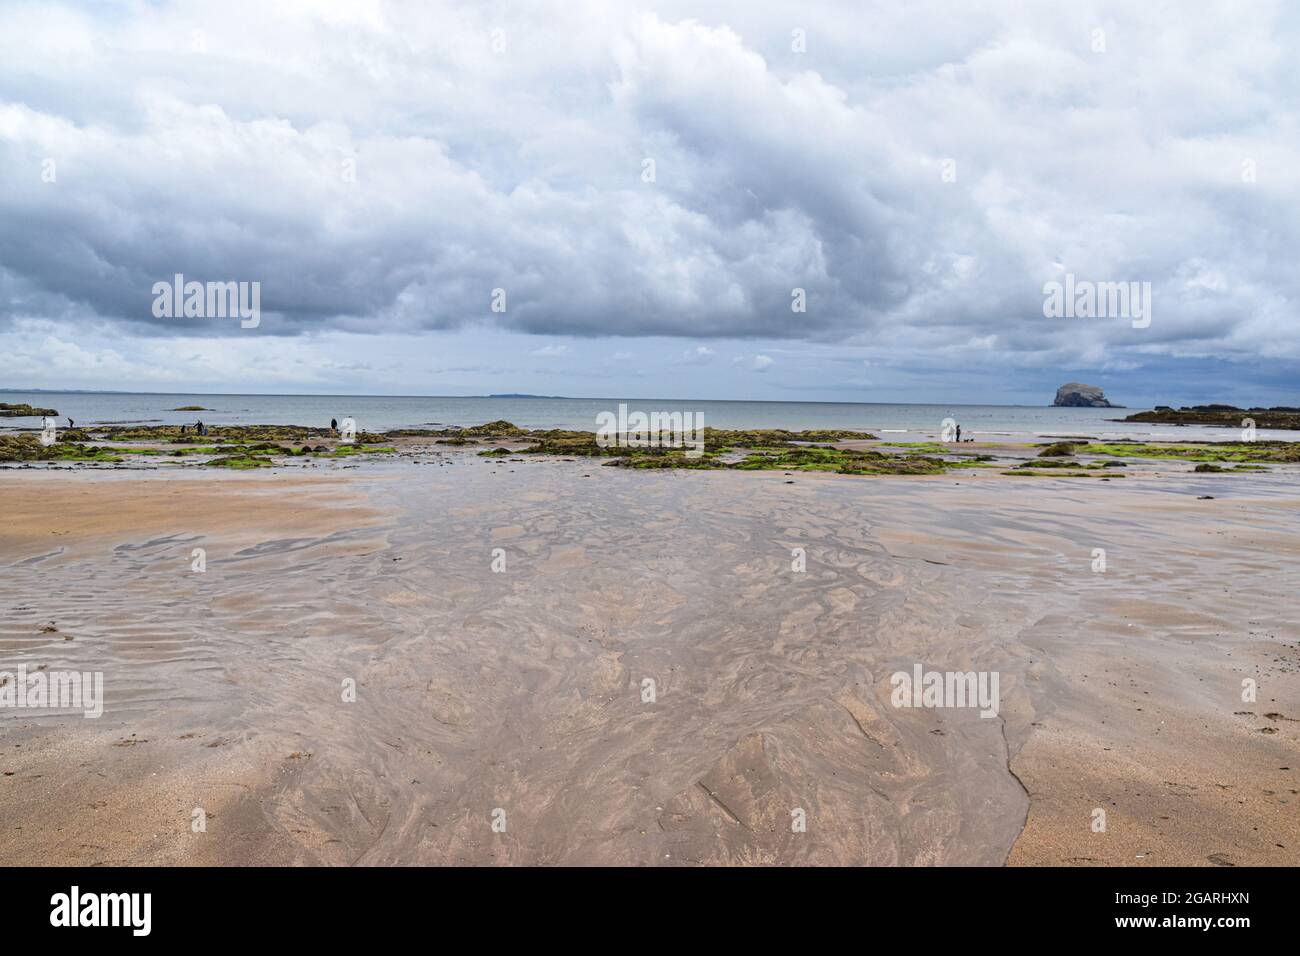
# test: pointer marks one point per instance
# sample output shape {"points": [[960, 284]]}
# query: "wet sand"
{"points": [[519, 696]]}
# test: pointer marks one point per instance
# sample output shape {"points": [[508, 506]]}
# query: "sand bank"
{"points": [[615, 666]]}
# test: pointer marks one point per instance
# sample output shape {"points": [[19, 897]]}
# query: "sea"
{"points": [[900, 422]]}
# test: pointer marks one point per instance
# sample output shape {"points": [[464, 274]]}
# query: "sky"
{"points": [[812, 201]]}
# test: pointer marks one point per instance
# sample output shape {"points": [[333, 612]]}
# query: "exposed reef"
{"points": [[23, 410], [1228, 416], [835, 451]]}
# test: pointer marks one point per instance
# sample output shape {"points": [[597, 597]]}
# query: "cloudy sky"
{"points": [[648, 184]]}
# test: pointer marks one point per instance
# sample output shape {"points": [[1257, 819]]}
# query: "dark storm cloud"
{"points": [[189, 140]]}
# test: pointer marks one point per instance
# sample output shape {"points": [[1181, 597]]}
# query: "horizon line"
{"points": [[522, 395]]}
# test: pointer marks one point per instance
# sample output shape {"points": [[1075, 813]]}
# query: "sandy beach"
{"points": [[558, 663]]}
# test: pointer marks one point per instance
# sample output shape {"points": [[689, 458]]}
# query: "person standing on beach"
{"points": [[958, 433], [334, 425]]}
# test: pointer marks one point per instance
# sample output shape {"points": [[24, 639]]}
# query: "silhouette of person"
{"points": [[334, 424], [959, 433]]}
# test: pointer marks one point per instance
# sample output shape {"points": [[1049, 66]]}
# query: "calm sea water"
{"points": [[378, 413]]}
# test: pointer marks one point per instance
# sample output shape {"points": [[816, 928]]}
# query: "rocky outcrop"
{"points": [[24, 411], [1229, 416], [1078, 395]]}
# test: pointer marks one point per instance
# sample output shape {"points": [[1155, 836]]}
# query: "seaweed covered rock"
{"points": [[560, 441], [497, 429], [1280, 416], [240, 462], [1057, 450], [777, 437], [23, 410], [225, 434], [29, 448]]}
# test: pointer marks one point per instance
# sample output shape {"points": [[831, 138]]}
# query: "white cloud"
{"points": [[225, 159], [756, 363], [698, 355]]}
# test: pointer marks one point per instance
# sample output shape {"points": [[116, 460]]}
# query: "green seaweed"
{"points": [[240, 462], [225, 434], [348, 451], [673, 459], [27, 447], [1058, 450], [1258, 451]]}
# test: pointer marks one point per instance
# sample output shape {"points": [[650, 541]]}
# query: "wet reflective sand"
{"points": [[647, 681]]}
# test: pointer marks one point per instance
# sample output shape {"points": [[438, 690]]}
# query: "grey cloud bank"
{"points": [[920, 172]]}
